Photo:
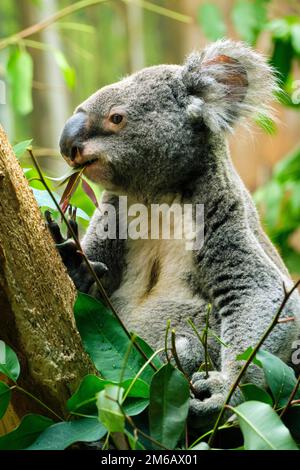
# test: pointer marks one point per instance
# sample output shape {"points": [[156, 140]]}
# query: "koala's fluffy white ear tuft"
{"points": [[228, 80]]}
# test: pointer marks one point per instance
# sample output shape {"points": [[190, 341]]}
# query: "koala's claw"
{"points": [[71, 257], [209, 396]]}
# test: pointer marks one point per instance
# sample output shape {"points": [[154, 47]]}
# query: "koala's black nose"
{"points": [[73, 134]]}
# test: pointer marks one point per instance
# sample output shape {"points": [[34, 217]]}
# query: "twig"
{"points": [[90, 267], [190, 322], [166, 339], [250, 358], [286, 320], [178, 363], [291, 398], [205, 338], [38, 27]]}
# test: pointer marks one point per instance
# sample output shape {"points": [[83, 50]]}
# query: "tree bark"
{"points": [[36, 296]]}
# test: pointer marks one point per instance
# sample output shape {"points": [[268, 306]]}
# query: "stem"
{"points": [[250, 358], [190, 322], [205, 338], [36, 28], [291, 398], [90, 267], [178, 363], [166, 339], [20, 389]]}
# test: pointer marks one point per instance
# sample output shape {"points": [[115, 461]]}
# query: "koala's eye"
{"points": [[116, 118]]}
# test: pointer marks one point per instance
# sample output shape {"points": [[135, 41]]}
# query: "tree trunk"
{"points": [[36, 297]]}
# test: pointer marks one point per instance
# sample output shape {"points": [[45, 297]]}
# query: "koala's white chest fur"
{"points": [[156, 274]]}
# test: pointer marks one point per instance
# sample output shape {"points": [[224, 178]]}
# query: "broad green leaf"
{"points": [[282, 58], [108, 404], [44, 200], [106, 342], [295, 32], [59, 436], [67, 71], [211, 21], [9, 363], [134, 443], [279, 376], [262, 428], [249, 17], [148, 352], [5, 395], [20, 72], [246, 354], [288, 168], [20, 148], [169, 404], [292, 420], [266, 123], [134, 406], [84, 399], [253, 392], [26, 433]]}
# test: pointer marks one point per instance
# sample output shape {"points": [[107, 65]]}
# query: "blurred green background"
{"points": [[55, 53]]}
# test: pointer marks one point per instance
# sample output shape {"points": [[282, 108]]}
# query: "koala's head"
{"points": [[152, 132]]}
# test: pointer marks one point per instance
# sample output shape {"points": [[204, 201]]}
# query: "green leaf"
{"points": [[26, 433], [253, 392], [108, 404], [249, 17], [211, 21], [295, 32], [133, 442], [148, 352], [20, 72], [266, 123], [288, 168], [169, 404], [5, 395], [84, 399], [262, 428], [106, 342], [245, 356], [20, 148], [61, 435], [9, 363], [292, 420], [44, 200], [67, 71], [282, 58], [279, 376]]}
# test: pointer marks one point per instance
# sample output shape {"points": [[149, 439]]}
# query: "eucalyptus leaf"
{"points": [[108, 404], [169, 404], [211, 21], [9, 363], [279, 376], [26, 433], [5, 395], [20, 73], [106, 342], [253, 392], [67, 71], [262, 428], [20, 148], [59, 436]]}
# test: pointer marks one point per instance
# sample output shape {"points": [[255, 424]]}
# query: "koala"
{"points": [[158, 137]]}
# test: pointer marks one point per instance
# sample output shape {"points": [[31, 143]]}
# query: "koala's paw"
{"points": [[210, 396], [72, 258]]}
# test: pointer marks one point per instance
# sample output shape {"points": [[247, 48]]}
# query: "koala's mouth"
{"points": [[85, 164]]}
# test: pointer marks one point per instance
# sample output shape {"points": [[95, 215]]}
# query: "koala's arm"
{"points": [[245, 288], [104, 254], [109, 251]]}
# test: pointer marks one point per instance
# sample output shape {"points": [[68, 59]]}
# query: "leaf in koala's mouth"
{"points": [[73, 181], [72, 185]]}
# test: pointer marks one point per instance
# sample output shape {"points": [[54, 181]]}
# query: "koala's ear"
{"points": [[228, 80]]}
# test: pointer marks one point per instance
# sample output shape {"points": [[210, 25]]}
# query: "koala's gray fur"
{"points": [[173, 148]]}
